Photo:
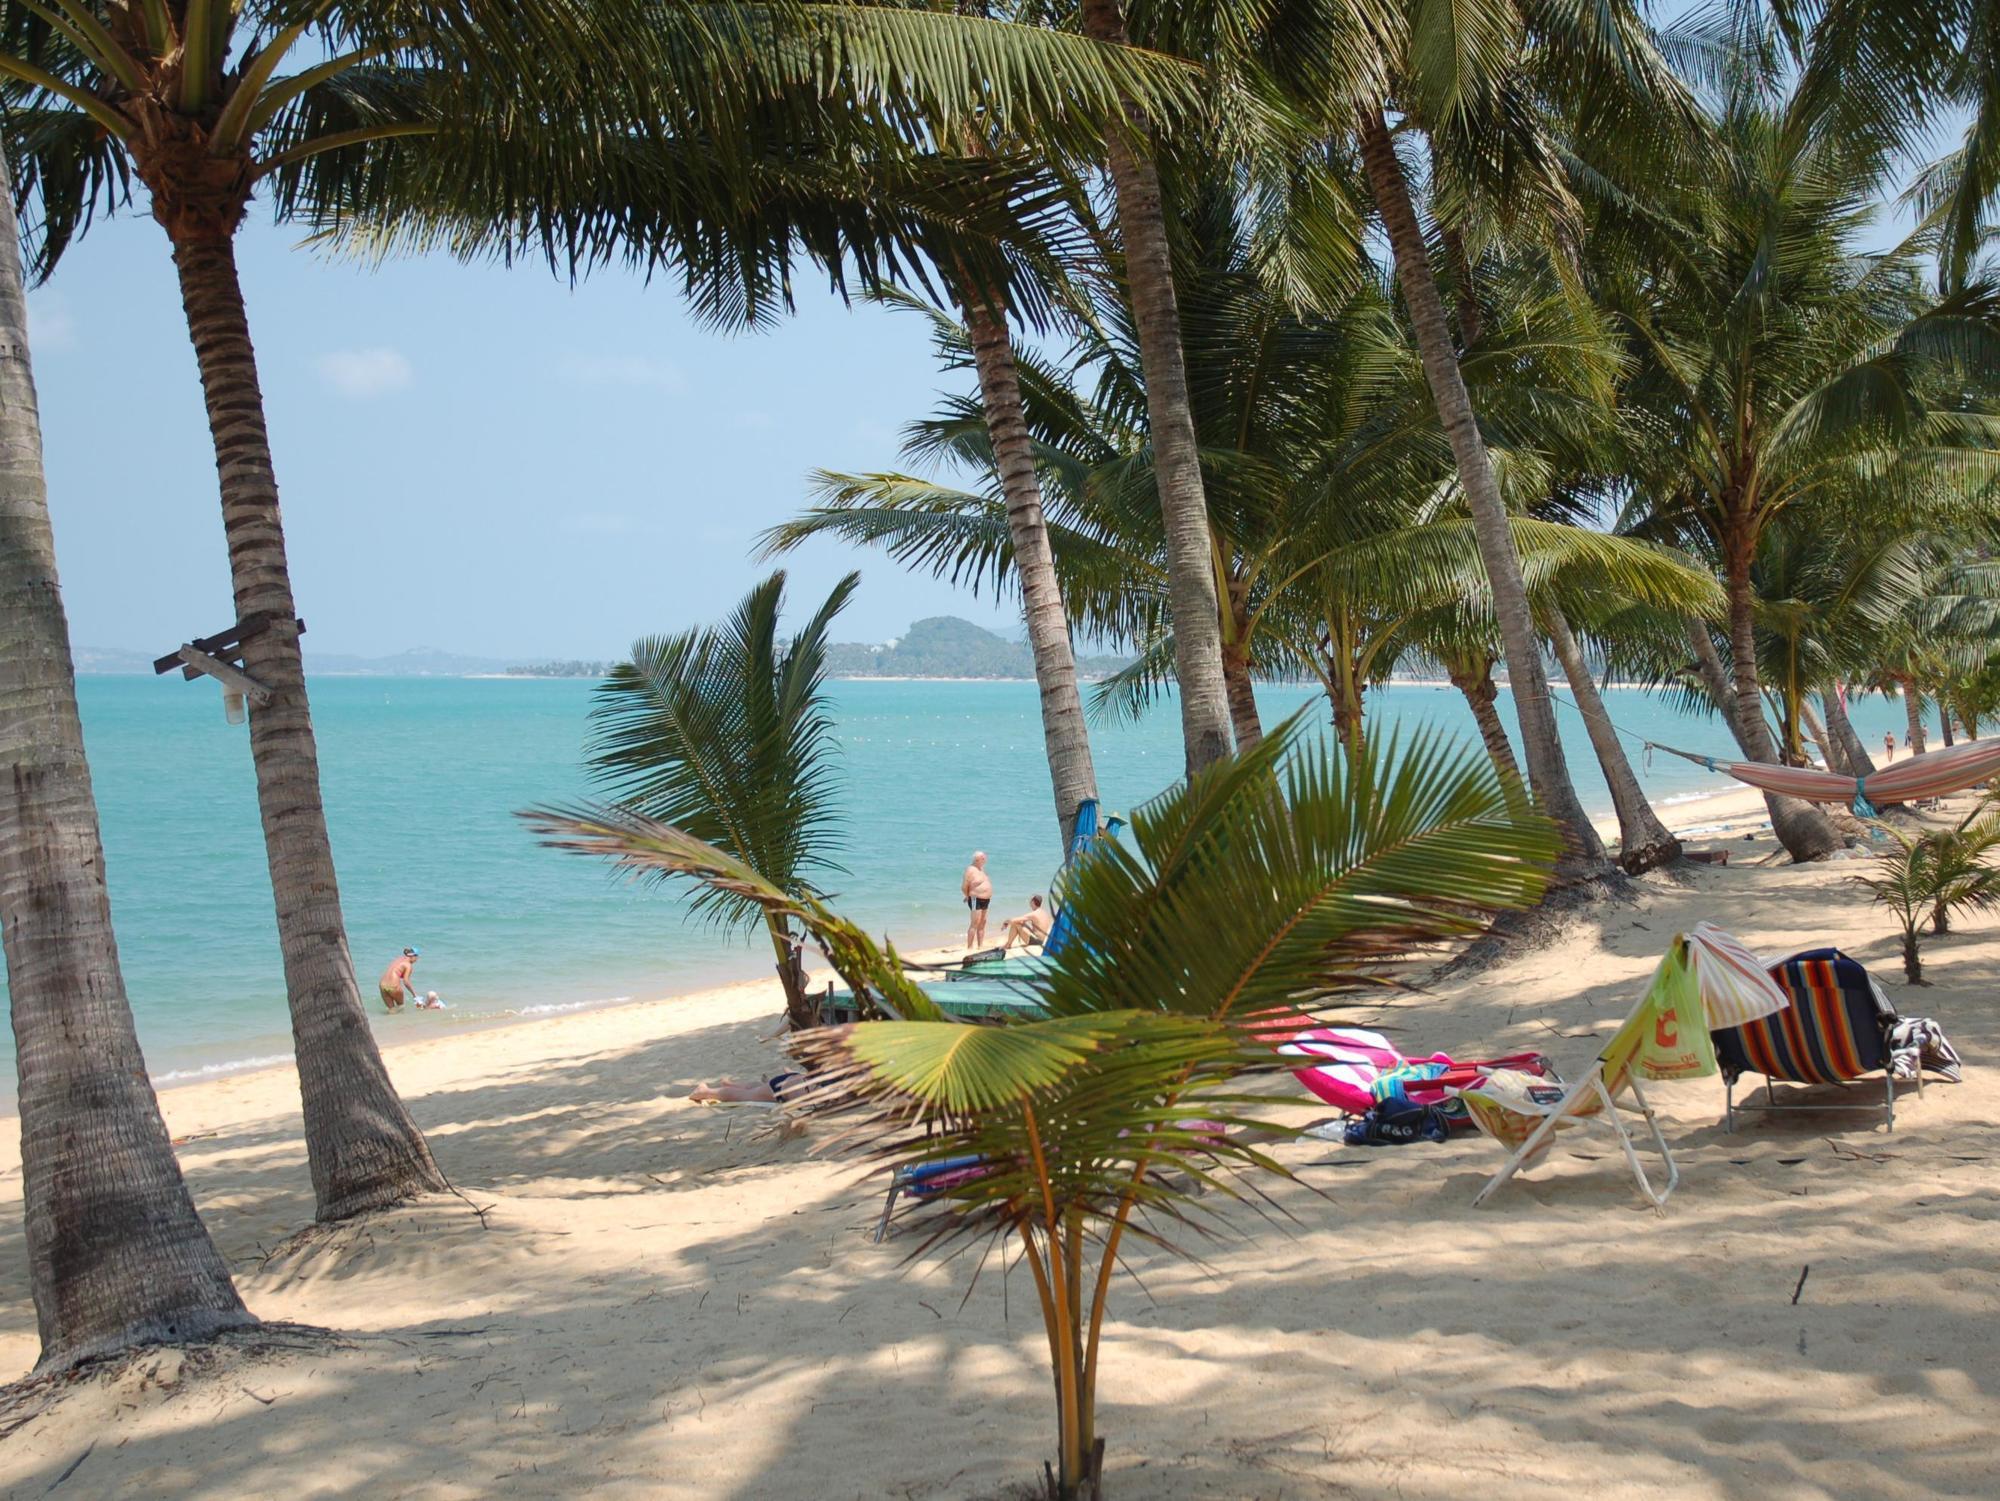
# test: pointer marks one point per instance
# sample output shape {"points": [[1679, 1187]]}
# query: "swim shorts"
{"points": [[979, 903]]}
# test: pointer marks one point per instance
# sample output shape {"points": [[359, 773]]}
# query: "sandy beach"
{"points": [[642, 1297]]}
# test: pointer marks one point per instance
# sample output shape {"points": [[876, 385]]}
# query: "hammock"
{"points": [[1929, 775]]}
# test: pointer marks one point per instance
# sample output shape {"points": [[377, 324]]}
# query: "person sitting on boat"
{"points": [[1030, 928]]}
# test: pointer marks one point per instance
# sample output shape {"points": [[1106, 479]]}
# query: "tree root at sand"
{"points": [[1515, 933]]}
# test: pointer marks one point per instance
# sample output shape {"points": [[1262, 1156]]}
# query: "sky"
{"points": [[470, 458]]}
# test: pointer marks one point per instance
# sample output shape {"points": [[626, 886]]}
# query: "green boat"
{"points": [[965, 999]]}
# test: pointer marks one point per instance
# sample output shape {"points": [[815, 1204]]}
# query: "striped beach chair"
{"points": [[1834, 1030]]}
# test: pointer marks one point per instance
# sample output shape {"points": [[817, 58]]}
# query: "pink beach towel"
{"points": [[1347, 1062]]}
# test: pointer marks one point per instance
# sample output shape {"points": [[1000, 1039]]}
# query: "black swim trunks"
{"points": [[979, 903]]}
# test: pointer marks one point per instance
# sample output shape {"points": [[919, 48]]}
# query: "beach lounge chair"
{"points": [[924, 1179], [1706, 980], [1834, 1029]]}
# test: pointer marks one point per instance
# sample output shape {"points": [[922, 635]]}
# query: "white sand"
{"points": [[666, 1300]]}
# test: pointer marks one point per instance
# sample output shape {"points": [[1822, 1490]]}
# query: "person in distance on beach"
{"points": [[1031, 927], [1889, 746], [748, 1091], [977, 889], [395, 982]]}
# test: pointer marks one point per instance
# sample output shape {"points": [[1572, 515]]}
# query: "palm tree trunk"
{"points": [[1804, 831], [1715, 678], [1244, 721], [801, 1010], [363, 1149], [1643, 841], [1548, 774], [1149, 274], [116, 1253], [1944, 723], [1913, 713], [1064, 736], [1829, 748], [1480, 696], [1853, 751]]}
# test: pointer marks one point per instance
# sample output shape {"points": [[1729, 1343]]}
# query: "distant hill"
{"points": [[418, 662], [941, 647], [946, 647], [571, 669]]}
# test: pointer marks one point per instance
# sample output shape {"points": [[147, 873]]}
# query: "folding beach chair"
{"points": [[924, 1179], [1834, 1029], [1706, 980]]}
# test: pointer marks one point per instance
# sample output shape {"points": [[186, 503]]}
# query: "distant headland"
{"points": [[942, 646]]}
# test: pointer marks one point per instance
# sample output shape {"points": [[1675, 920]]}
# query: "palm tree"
{"points": [[1099, 1122], [1930, 876], [679, 136], [117, 1256], [1332, 523], [724, 732], [1006, 448], [1499, 74], [1777, 363], [1874, 77], [1149, 278], [1965, 881], [1063, 732]]}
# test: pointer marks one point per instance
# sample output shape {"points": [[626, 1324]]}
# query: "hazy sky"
{"points": [[470, 458]]}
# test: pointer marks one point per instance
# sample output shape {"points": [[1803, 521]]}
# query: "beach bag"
{"points": [[1397, 1124]]}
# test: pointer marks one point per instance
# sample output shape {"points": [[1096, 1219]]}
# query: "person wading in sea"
{"points": [[395, 982], [977, 889]]}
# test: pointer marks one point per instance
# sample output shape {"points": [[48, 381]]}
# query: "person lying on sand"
{"points": [[771, 1091], [1031, 927]]}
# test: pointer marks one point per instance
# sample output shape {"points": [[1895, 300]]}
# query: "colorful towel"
{"points": [[1833, 1029], [1917, 1044]]}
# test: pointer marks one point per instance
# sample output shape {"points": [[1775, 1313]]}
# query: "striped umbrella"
{"points": [[1735, 986]]}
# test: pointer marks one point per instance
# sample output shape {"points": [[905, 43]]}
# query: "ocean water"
{"points": [[422, 777]]}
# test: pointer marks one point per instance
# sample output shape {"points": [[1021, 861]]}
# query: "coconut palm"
{"points": [[724, 732], [1873, 77], [1326, 482], [116, 1254], [701, 138], [1778, 363], [1482, 85], [1264, 885], [1931, 875], [1183, 499], [1965, 879]]}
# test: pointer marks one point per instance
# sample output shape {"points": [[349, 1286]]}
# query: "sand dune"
{"points": [[657, 1299]]}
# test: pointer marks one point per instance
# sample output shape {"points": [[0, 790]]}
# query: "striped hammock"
{"points": [[1929, 775]]}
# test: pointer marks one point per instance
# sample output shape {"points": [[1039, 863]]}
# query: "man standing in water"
{"points": [[977, 889], [396, 981]]}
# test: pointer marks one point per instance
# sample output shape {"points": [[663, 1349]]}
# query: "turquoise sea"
{"points": [[422, 776]]}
